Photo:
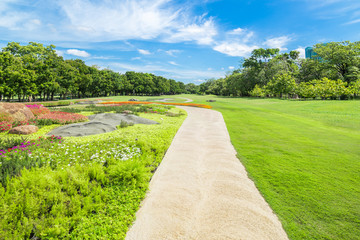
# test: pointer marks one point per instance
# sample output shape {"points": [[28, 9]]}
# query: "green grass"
{"points": [[304, 157]]}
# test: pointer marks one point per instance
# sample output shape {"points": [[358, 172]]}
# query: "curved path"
{"points": [[202, 191]]}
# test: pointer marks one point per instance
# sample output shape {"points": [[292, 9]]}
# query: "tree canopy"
{"points": [[35, 71], [333, 74]]}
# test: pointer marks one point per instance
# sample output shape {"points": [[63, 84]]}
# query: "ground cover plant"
{"points": [[81, 188], [304, 157], [118, 108]]}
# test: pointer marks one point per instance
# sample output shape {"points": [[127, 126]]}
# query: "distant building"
{"points": [[309, 53]]}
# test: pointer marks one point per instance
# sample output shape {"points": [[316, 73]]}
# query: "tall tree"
{"points": [[339, 55]]}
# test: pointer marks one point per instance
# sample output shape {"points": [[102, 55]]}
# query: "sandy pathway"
{"points": [[201, 190]]}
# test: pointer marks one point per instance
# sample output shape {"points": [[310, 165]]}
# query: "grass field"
{"points": [[304, 157]]}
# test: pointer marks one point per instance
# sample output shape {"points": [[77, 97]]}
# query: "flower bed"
{"points": [[5, 126], [100, 180], [62, 117], [162, 103], [38, 109], [16, 158]]}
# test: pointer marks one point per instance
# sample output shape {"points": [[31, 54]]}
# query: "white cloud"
{"points": [[172, 52], [202, 33], [302, 52], [353, 22], [144, 52], [32, 24], [106, 20], [78, 53], [13, 20], [59, 52], [173, 63], [235, 49], [236, 43], [237, 31], [209, 69], [36, 22], [136, 58], [136, 19], [199, 81], [231, 67], [278, 42]]}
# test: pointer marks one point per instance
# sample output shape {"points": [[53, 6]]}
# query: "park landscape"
{"points": [[149, 120], [301, 155]]}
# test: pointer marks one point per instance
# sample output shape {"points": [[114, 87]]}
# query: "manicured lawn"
{"points": [[304, 157]]}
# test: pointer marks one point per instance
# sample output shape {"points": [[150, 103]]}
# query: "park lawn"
{"points": [[304, 157]]}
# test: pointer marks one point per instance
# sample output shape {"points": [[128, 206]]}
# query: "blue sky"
{"points": [[186, 40]]}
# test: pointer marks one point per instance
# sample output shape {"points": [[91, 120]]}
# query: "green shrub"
{"points": [[13, 163], [45, 204], [131, 172], [69, 110], [52, 204], [44, 122], [6, 143], [55, 104], [124, 124]]}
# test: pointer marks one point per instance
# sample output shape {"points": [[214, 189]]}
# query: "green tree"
{"points": [[282, 84], [192, 88], [340, 56]]}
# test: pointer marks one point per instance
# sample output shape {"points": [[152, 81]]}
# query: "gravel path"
{"points": [[201, 190]]}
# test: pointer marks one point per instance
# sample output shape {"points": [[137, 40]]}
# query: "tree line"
{"points": [[334, 73], [35, 71]]}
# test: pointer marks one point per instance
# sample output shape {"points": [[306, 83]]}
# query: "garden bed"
{"points": [[81, 188]]}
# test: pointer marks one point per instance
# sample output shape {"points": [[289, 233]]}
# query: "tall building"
{"points": [[309, 53]]}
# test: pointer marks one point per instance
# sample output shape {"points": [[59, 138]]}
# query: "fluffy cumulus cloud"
{"points": [[235, 49], [78, 53], [202, 32], [236, 43], [278, 42]]}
